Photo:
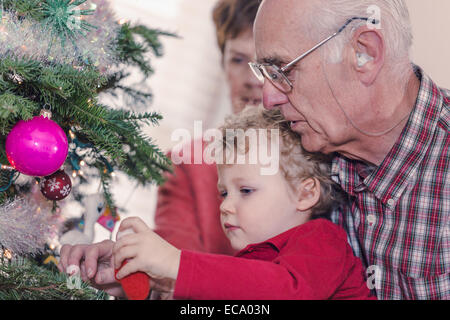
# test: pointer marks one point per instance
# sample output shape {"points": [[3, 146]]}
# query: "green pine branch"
{"points": [[28, 281], [25, 8], [13, 107], [144, 160], [133, 52]]}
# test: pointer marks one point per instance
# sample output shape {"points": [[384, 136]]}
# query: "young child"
{"points": [[287, 249]]}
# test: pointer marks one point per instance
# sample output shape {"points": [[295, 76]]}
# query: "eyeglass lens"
{"points": [[271, 73]]}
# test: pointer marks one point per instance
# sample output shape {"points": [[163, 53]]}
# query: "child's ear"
{"points": [[308, 194]]}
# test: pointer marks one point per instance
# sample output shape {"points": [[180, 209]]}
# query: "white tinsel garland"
{"points": [[24, 227], [26, 38]]}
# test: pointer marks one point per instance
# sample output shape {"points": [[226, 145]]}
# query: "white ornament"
{"points": [[53, 184], [65, 190]]}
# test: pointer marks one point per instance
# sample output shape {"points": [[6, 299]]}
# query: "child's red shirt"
{"points": [[312, 261]]}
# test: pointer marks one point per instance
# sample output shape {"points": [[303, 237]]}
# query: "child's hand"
{"points": [[145, 251]]}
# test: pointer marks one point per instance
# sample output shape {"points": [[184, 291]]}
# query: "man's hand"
{"points": [[95, 264], [146, 252]]}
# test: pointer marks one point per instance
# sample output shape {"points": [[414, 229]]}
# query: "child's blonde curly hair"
{"points": [[295, 163]]}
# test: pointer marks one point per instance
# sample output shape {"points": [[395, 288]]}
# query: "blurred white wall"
{"points": [[431, 30], [188, 83]]}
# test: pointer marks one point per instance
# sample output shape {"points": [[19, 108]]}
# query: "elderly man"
{"points": [[339, 70]]}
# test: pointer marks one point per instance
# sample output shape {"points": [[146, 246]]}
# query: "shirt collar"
{"points": [[275, 243], [388, 181], [278, 242]]}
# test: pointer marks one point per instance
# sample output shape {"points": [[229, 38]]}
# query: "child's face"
{"points": [[255, 208]]}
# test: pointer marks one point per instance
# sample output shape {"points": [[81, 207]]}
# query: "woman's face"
{"points": [[245, 88]]}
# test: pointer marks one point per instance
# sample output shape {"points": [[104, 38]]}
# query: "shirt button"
{"points": [[391, 202], [371, 219]]}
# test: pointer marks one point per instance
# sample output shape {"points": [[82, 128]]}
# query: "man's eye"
{"points": [[274, 76]]}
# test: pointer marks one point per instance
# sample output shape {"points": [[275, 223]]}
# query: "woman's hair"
{"points": [[295, 163], [232, 17]]}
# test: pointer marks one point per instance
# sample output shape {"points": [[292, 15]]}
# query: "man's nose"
{"points": [[272, 97]]}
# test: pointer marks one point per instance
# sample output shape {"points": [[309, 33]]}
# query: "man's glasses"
{"points": [[277, 76]]}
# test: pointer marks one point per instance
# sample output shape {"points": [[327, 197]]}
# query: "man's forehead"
{"points": [[278, 49], [278, 31], [282, 5], [286, 13]]}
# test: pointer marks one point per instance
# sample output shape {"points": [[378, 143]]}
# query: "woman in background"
{"points": [[187, 213]]}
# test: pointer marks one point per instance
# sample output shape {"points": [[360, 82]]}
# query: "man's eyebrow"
{"points": [[277, 61]]}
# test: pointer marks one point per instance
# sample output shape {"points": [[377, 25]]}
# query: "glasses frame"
{"points": [[261, 66]]}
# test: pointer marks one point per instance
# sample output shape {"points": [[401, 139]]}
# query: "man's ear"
{"points": [[368, 54], [308, 194]]}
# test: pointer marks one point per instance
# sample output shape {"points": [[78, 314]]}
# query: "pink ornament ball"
{"points": [[37, 147]]}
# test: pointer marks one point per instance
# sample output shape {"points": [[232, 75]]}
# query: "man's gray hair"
{"points": [[394, 24]]}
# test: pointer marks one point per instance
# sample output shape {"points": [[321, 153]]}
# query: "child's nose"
{"points": [[227, 207]]}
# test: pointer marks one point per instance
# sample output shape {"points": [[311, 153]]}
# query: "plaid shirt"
{"points": [[397, 215]]}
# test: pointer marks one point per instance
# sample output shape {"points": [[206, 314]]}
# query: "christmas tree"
{"points": [[57, 59]]}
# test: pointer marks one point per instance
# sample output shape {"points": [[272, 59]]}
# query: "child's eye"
{"points": [[246, 190], [223, 194]]}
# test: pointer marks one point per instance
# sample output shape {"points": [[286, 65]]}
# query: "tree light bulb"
{"points": [[7, 254]]}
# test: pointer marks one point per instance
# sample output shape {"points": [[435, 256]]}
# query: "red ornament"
{"points": [[135, 285], [56, 186]]}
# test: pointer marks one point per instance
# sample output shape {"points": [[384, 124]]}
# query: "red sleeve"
{"points": [[315, 270], [217, 277]]}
